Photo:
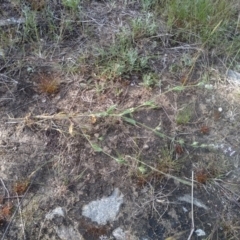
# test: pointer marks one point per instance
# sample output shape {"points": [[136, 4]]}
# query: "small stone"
{"points": [[233, 76], [208, 86], [96, 135], [200, 232], [145, 147], [119, 234], [58, 211], [105, 209]]}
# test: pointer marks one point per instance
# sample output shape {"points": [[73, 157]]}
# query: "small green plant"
{"points": [[30, 30], [149, 80], [146, 4], [144, 26], [119, 60], [71, 4], [53, 31], [142, 169], [166, 163], [155, 6], [7, 38], [121, 57], [184, 115]]}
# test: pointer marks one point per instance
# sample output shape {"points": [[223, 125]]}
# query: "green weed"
{"points": [[71, 4], [184, 115], [213, 23], [150, 80], [119, 60], [166, 163], [30, 30], [143, 26], [153, 5]]}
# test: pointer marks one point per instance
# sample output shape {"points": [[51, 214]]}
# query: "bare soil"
{"points": [[53, 158]]}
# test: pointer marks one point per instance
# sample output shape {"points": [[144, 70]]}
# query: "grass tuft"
{"points": [[48, 84], [208, 22]]}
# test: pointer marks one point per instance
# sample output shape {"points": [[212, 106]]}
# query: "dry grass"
{"points": [[48, 83], [119, 59]]}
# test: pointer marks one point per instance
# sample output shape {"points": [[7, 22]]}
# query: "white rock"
{"points": [[233, 76], [57, 212], [105, 209], [187, 198], [119, 234], [200, 232]]}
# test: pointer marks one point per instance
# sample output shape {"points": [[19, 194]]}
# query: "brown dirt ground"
{"points": [[62, 169]]}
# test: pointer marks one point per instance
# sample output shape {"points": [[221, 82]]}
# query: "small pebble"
{"points": [[145, 146]]}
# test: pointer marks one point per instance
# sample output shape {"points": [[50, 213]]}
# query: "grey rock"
{"points": [[233, 76], [200, 232], [57, 212], [119, 234], [11, 21], [67, 233], [187, 198], [105, 209], [62, 226]]}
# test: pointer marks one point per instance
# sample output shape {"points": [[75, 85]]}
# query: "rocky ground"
{"points": [[100, 156]]}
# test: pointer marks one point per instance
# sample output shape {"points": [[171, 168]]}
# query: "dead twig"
{"points": [[5, 189], [192, 229], [20, 212]]}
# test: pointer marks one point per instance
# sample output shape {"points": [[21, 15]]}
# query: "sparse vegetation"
{"points": [[167, 163], [128, 102], [143, 27], [71, 4], [30, 28], [184, 115], [202, 21]]}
